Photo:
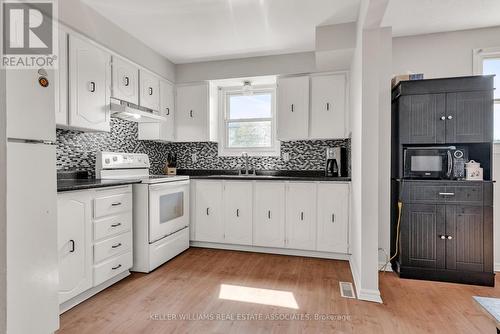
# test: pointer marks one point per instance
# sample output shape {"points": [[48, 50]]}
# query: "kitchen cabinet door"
{"points": [[62, 82], [469, 117], [74, 243], [238, 212], [149, 90], [293, 108], [161, 131], [423, 241], [301, 216], [422, 119], [269, 214], [124, 81], [89, 86], [209, 215], [192, 113], [328, 117], [333, 218]]}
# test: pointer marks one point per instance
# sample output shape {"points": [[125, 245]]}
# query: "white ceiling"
{"points": [[197, 30], [415, 17]]}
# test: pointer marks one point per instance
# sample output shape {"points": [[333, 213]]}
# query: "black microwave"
{"points": [[434, 162]]}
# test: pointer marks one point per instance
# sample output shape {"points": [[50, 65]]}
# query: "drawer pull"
{"points": [[116, 204], [447, 194], [269, 214], [442, 237], [237, 212], [72, 242], [449, 237], [302, 216], [333, 218], [116, 225], [117, 245], [117, 267]]}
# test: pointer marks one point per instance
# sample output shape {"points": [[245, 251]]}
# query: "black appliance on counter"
{"points": [[441, 223], [336, 162]]}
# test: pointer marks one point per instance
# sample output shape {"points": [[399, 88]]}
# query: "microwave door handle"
{"points": [[450, 164]]}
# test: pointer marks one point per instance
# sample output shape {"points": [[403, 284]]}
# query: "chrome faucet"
{"points": [[245, 156]]}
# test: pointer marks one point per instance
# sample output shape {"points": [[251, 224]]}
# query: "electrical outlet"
{"points": [[286, 156], [194, 157]]}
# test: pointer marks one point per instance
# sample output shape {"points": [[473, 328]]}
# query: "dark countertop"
{"points": [[80, 180], [441, 181], [264, 175]]}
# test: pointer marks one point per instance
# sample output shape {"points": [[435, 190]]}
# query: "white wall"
{"points": [[87, 21], [3, 203], [441, 55]]}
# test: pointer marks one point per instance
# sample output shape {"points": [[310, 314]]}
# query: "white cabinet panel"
{"points": [[328, 116], [192, 113], [238, 213], [149, 90], [293, 108], [301, 216], [333, 217], [89, 84], [74, 239], [269, 214], [125, 85], [209, 223], [61, 90]]}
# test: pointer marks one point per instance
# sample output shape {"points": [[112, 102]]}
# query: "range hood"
{"points": [[132, 113]]}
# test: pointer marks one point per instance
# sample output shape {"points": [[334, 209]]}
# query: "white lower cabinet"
{"points": [[238, 212], [333, 216], [93, 248], [269, 214], [301, 216], [210, 226], [74, 235]]}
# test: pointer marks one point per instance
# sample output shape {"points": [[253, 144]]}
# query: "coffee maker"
{"points": [[336, 161]]}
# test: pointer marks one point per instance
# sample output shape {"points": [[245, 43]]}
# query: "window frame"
{"points": [[224, 95], [478, 56]]}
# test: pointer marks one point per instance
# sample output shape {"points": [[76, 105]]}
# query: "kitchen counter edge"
{"points": [[64, 185]]}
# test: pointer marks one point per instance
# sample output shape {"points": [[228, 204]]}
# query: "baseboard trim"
{"points": [[69, 304], [496, 266], [271, 250], [361, 293]]}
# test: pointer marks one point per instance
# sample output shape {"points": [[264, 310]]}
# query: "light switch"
{"points": [[286, 156], [194, 157]]}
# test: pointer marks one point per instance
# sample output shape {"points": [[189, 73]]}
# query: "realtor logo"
{"points": [[28, 34]]}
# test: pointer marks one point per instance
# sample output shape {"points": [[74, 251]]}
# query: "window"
{"points": [[248, 121], [487, 61]]}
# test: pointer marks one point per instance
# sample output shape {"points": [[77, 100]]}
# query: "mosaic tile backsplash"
{"points": [[76, 151]]}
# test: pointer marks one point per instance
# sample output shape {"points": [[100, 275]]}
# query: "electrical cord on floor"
{"points": [[400, 209]]}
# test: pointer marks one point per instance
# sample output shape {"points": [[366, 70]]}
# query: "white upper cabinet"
{"points": [[62, 83], [149, 89], [238, 213], [328, 116], [161, 131], [301, 216], [333, 217], [269, 214], [125, 84], [293, 108], [208, 211], [89, 86], [192, 117]]}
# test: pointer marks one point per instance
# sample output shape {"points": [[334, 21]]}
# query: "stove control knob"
{"points": [[115, 158], [107, 161]]}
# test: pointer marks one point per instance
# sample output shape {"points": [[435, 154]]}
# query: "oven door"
{"points": [[168, 208], [427, 163]]}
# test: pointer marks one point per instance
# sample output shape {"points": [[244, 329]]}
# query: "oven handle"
{"points": [[450, 164], [168, 185], [431, 148]]}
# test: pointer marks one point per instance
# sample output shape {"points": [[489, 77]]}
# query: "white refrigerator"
{"points": [[32, 260]]}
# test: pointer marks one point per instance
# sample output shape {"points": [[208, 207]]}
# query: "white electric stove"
{"points": [[161, 208]]}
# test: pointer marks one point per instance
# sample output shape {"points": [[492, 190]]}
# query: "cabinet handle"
{"points": [[328, 106], [442, 237], [449, 237], [127, 81], [116, 204], [150, 90], [333, 218], [168, 111], [443, 118], [207, 212], [72, 249], [302, 216], [191, 113], [450, 117], [118, 266], [237, 212], [447, 194], [92, 86], [117, 245], [269, 214], [116, 225], [291, 107]]}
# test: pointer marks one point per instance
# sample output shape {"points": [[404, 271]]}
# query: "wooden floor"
{"points": [[190, 285]]}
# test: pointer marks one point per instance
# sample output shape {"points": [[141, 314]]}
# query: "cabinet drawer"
{"points": [[471, 194], [114, 225], [112, 247], [112, 267], [112, 204]]}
